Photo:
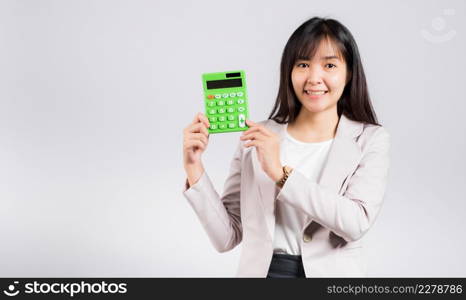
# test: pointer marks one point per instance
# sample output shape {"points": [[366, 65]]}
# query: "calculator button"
{"points": [[231, 102], [232, 95], [242, 120], [213, 126], [218, 96], [225, 95], [221, 102], [241, 109], [221, 110], [211, 97], [230, 109], [239, 94], [222, 126], [212, 111], [231, 117], [240, 101], [221, 119], [213, 119], [231, 125], [211, 103]]}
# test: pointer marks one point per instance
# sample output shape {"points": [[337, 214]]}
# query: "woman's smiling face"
{"points": [[319, 81]]}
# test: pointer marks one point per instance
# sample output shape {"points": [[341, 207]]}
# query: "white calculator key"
{"points": [[239, 94], [221, 102], [230, 102], [221, 110], [218, 96], [242, 120], [232, 95], [231, 109], [240, 109], [240, 101], [225, 95]]}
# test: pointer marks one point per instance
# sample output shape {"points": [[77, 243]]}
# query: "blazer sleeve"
{"points": [[352, 214], [219, 216]]}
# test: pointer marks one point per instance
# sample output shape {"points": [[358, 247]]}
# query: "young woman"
{"points": [[306, 184]]}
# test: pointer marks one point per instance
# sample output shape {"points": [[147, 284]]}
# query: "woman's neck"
{"points": [[314, 127]]}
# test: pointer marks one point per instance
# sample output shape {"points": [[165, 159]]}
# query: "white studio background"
{"points": [[94, 96]]}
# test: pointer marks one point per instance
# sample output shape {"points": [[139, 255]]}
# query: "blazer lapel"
{"points": [[267, 192], [343, 156]]}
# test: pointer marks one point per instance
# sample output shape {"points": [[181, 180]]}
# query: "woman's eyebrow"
{"points": [[328, 57]]}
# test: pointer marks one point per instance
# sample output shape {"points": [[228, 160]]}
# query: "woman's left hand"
{"points": [[267, 144]]}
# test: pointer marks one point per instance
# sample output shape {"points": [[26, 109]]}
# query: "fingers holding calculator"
{"points": [[196, 134]]}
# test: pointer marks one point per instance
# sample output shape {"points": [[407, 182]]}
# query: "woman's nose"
{"points": [[314, 77]]}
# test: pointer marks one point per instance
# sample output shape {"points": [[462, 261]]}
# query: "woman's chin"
{"points": [[314, 109]]}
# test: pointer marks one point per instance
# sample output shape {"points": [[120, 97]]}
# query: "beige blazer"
{"points": [[340, 207]]}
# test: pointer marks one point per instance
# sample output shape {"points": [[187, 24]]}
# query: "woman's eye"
{"points": [[330, 66], [303, 65]]}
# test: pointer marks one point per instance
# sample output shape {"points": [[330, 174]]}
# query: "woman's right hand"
{"points": [[195, 141]]}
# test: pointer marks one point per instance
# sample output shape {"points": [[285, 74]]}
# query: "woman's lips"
{"points": [[315, 94]]}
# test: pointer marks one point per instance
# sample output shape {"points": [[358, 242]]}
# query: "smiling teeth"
{"points": [[315, 93]]}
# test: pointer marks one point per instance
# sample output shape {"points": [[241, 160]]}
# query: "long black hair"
{"points": [[354, 103]]}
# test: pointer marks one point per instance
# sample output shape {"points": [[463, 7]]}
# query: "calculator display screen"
{"points": [[221, 84]]}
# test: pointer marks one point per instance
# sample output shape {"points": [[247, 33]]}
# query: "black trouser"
{"points": [[286, 266]]}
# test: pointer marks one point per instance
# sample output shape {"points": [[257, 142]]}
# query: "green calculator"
{"points": [[226, 101]]}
